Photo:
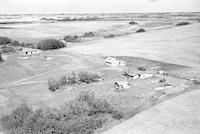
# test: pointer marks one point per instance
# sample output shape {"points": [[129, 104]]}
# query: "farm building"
{"points": [[64, 42], [121, 85], [110, 61], [29, 52]]}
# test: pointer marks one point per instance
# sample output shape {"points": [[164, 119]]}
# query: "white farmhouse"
{"points": [[29, 52], [110, 61]]}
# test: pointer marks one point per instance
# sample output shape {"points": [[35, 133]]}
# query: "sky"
{"points": [[97, 6]]}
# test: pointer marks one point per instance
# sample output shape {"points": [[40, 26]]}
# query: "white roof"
{"points": [[123, 84], [115, 62], [110, 59], [29, 50]]}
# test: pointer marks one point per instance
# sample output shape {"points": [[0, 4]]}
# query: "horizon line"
{"points": [[101, 13]]}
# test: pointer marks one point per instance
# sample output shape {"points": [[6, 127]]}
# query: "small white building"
{"points": [[29, 52], [110, 61], [161, 72], [146, 76], [64, 42], [121, 85], [137, 76]]}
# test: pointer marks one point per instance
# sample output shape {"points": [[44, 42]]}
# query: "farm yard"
{"points": [[99, 77]]}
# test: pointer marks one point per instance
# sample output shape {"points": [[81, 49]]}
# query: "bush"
{"points": [[35, 122], [83, 115], [140, 30], [98, 106], [86, 96], [89, 34], [76, 108], [30, 45], [1, 59], [132, 23], [196, 82], [56, 84], [109, 36], [162, 80], [88, 77], [15, 43], [16, 119], [4, 40], [182, 23], [62, 80], [74, 38], [8, 49], [53, 84], [50, 44], [87, 104], [85, 125], [71, 79], [142, 68]]}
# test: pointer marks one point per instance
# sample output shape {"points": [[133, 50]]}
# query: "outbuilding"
{"points": [[110, 61], [121, 85], [29, 52]]}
